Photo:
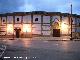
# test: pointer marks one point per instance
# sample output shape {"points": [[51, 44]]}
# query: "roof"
{"points": [[38, 13]]}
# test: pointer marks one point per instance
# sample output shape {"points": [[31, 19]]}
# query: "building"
{"points": [[38, 23]]}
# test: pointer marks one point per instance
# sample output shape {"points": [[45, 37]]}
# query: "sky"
{"points": [[40, 5]]}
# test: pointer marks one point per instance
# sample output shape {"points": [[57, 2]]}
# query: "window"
{"points": [[3, 20], [36, 19], [17, 19]]}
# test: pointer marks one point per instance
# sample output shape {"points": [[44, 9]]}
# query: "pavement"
{"points": [[41, 49], [63, 38], [40, 38]]}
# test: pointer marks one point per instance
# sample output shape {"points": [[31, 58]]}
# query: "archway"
{"points": [[17, 32], [56, 29]]}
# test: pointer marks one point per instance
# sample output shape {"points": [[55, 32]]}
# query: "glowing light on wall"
{"points": [[64, 28], [9, 28], [26, 27]]}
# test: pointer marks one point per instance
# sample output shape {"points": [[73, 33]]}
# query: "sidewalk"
{"points": [[39, 38], [64, 38]]}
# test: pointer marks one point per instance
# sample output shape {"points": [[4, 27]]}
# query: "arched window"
{"points": [[3, 20], [36, 19], [17, 19]]}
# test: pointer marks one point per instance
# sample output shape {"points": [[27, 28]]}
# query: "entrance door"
{"points": [[17, 32], [56, 32]]}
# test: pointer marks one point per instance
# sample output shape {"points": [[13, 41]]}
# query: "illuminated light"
{"points": [[20, 57], [6, 57], [64, 45], [26, 57], [14, 57], [26, 27], [64, 28], [55, 25], [9, 28]]}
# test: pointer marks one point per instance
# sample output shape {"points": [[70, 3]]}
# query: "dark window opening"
{"points": [[3, 20], [36, 19], [17, 19]]}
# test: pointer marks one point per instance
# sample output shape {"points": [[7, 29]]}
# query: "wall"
{"points": [[40, 26], [66, 28], [27, 19], [3, 26], [36, 26], [9, 19], [46, 25]]}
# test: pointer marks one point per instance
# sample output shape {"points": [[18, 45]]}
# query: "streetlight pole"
{"points": [[71, 22]]}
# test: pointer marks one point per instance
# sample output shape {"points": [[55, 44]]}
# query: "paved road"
{"points": [[42, 50]]}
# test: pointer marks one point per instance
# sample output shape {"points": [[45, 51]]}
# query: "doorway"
{"points": [[17, 32], [56, 32]]}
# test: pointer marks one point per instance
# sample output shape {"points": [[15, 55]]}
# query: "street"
{"points": [[41, 50]]}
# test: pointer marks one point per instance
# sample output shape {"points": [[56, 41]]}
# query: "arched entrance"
{"points": [[55, 28], [17, 32]]}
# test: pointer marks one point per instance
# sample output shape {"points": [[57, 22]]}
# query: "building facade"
{"points": [[38, 23]]}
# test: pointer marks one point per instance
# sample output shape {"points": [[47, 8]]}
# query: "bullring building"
{"points": [[38, 23]]}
